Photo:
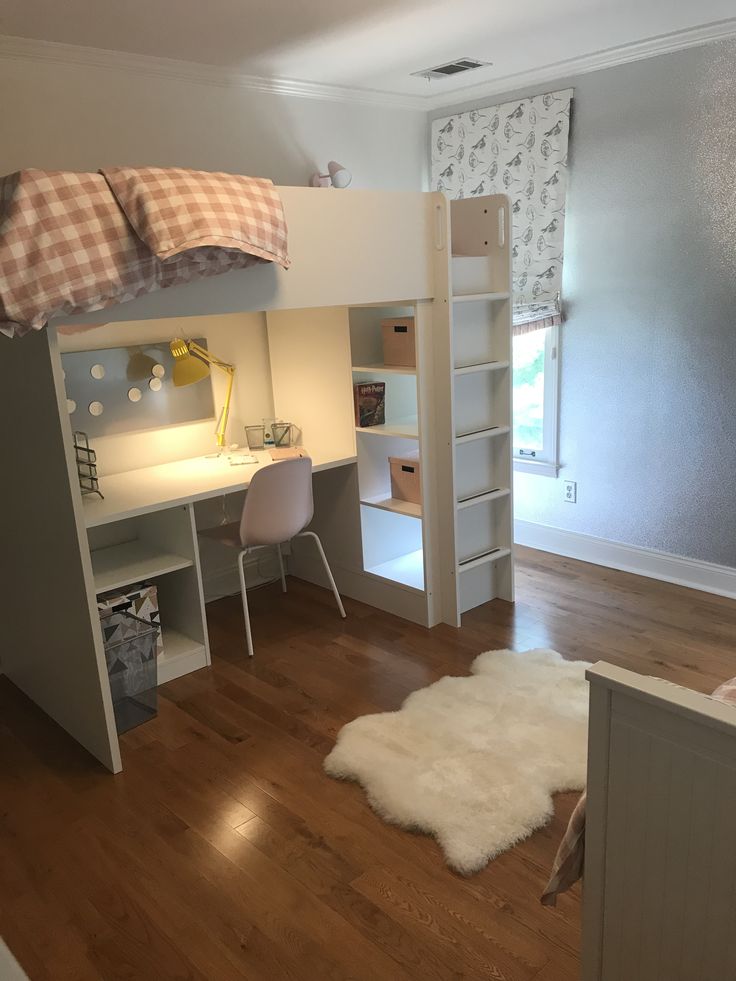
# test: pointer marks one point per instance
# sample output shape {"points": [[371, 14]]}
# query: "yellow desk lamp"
{"points": [[191, 364]]}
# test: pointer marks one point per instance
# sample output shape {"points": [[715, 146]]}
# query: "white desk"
{"points": [[170, 484], [160, 543]]}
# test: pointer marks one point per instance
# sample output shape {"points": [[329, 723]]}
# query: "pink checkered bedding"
{"points": [[71, 243]]}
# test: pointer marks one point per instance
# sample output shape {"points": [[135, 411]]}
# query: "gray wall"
{"points": [[648, 358], [69, 116]]}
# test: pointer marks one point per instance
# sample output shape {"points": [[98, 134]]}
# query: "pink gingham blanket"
{"points": [[70, 242]]}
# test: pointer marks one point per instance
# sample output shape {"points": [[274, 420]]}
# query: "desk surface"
{"points": [[170, 484]]}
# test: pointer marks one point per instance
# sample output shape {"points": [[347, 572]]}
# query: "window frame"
{"points": [[546, 462]]}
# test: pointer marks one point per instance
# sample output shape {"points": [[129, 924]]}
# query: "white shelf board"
{"points": [[471, 369], [407, 428], [474, 561], [490, 495], [407, 569], [384, 369], [120, 565], [477, 297], [482, 434], [393, 504], [181, 655]]}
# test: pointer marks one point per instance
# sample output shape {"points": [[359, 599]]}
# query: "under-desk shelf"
{"points": [[121, 565], [405, 428], [393, 504], [181, 655]]}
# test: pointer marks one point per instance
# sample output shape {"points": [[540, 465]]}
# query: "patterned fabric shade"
{"points": [[520, 149]]}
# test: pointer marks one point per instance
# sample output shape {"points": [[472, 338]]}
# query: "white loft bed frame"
{"points": [[659, 892], [354, 252]]}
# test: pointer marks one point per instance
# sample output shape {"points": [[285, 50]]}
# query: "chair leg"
{"points": [[322, 555], [281, 569], [244, 595]]}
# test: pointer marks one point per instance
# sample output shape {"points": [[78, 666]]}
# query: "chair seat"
{"points": [[228, 534]]}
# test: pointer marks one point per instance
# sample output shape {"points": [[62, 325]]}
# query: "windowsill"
{"points": [[540, 467]]}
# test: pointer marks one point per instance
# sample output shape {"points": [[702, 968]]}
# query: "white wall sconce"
{"points": [[336, 176]]}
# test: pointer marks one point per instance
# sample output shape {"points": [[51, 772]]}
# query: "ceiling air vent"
{"points": [[452, 68]]}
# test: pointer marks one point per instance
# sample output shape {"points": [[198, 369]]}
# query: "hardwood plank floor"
{"points": [[223, 852]]}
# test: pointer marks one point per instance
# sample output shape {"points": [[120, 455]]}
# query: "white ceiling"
{"points": [[372, 45]]}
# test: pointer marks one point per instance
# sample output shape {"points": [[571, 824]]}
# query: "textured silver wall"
{"points": [[648, 393]]}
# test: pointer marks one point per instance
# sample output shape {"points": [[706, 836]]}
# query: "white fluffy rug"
{"points": [[474, 761]]}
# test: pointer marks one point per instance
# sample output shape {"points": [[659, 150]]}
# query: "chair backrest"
{"points": [[278, 504]]}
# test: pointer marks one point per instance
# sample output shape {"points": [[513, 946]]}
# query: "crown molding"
{"points": [[585, 64], [26, 49], [53, 52]]}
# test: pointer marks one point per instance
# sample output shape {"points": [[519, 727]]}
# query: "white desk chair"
{"points": [[278, 507]]}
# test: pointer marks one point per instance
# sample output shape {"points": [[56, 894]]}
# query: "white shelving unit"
{"points": [[160, 547], [455, 409], [392, 530], [482, 399], [476, 466]]}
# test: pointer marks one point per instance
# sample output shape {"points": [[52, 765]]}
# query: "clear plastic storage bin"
{"points": [[130, 653]]}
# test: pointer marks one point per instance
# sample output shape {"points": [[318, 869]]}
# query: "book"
{"points": [[370, 403]]}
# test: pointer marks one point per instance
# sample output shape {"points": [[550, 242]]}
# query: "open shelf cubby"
{"points": [[117, 566], [481, 402], [392, 546], [392, 529], [479, 337], [374, 476], [484, 549], [476, 276], [482, 466], [157, 548]]}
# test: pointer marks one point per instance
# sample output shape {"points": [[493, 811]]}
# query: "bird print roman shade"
{"points": [[520, 149]]}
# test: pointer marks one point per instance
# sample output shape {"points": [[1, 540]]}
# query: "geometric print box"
{"points": [[142, 601], [131, 632]]}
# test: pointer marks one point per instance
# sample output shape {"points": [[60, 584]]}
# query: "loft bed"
{"points": [[356, 257]]}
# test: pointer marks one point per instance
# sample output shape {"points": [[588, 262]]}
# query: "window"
{"points": [[535, 401]]}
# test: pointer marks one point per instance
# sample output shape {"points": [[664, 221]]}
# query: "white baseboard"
{"points": [[706, 576]]}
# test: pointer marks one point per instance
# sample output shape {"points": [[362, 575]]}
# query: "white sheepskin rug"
{"points": [[474, 761]]}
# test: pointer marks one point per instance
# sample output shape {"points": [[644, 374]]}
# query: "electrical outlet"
{"points": [[570, 490]]}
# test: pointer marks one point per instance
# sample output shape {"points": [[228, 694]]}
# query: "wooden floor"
{"points": [[223, 852]]}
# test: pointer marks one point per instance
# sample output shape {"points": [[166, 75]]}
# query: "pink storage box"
{"points": [[399, 349]]}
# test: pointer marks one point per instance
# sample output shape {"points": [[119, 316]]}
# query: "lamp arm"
{"points": [[222, 424], [229, 370], [208, 358]]}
